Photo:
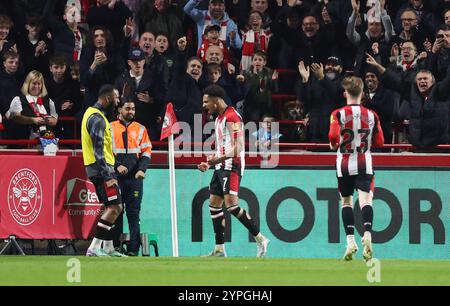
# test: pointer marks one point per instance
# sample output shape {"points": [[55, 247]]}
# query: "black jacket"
{"points": [[146, 113], [428, 118], [9, 88], [105, 73], [185, 93], [384, 103], [319, 99]]}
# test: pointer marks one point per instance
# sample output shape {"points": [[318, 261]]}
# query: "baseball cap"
{"points": [[215, 1], [335, 60], [136, 54], [212, 27]]}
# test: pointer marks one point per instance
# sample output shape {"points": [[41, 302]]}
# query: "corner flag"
{"points": [[170, 124], [170, 127]]}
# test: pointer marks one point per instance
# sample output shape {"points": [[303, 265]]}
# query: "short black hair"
{"points": [[125, 100], [106, 90], [215, 91]]}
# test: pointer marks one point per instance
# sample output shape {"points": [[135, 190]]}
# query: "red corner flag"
{"points": [[170, 125]]}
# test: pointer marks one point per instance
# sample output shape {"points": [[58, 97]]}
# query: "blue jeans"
{"points": [[131, 190]]}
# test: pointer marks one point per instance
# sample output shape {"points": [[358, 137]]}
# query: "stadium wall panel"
{"points": [[298, 210]]}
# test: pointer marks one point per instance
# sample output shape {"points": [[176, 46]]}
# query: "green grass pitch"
{"points": [[166, 271]]}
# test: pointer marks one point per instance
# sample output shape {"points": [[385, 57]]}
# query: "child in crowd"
{"points": [[262, 82], [162, 48], [211, 37], [255, 39]]}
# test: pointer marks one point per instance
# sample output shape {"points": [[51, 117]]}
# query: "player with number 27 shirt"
{"points": [[354, 130]]}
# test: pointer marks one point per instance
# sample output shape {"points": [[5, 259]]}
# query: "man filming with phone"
{"points": [[440, 53]]}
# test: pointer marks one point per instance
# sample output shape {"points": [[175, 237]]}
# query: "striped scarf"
{"points": [[252, 42]]}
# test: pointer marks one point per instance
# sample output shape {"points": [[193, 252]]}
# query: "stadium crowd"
{"points": [[56, 54]]}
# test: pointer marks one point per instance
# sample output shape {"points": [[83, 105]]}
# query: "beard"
{"points": [[110, 112], [331, 75]]}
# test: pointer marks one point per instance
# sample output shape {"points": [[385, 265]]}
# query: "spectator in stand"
{"points": [[312, 44], [440, 53], [65, 93], [447, 17], [265, 136], [11, 80], [163, 49], [282, 54], [382, 101], [7, 42], [145, 89], [99, 64], [213, 76], [214, 15], [111, 14], [292, 111], [235, 90], [262, 82], [254, 39], [211, 37], [147, 43], [267, 8], [377, 19], [32, 112], [413, 30], [156, 64], [321, 92], [34, 48], [427, 18], [160, 16], [185, 91], [426, 107], [134, 6], [68, 37], [407, 63], [214, 54], [409, 58]]}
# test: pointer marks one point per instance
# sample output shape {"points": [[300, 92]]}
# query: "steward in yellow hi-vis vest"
{"points": [[96, 141], [132, 149]]}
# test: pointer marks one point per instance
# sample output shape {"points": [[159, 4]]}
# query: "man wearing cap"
{"points": [[138, 84], [321, 92], [215, 14]]}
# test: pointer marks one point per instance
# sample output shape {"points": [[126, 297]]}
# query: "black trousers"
{"points": [[132, 190]]}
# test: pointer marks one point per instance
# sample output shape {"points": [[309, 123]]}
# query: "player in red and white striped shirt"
{"points": [[229, 165], [354, 130]]}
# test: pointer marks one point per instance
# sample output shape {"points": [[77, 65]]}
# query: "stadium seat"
{"points": [[153, 241]]}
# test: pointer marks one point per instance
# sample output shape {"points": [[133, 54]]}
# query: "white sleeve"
{"points": [[53, 112], [15, 108]]}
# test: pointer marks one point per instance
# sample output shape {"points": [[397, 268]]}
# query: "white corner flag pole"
{"points": [[173, 198]]}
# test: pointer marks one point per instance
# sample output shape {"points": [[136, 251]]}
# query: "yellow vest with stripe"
{"points": [[86, 140]]}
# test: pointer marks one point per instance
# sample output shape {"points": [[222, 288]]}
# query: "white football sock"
{"points": [[96, 244], [350, 238], [108, 246]]}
